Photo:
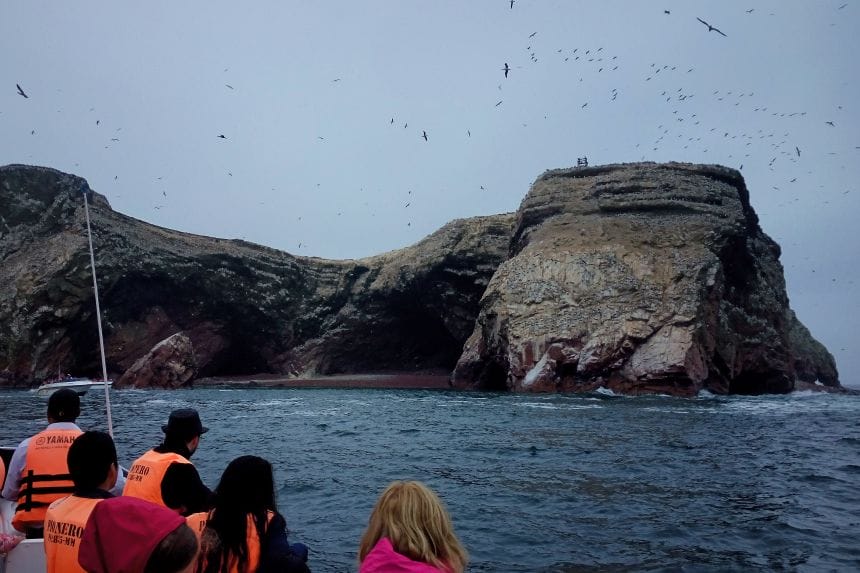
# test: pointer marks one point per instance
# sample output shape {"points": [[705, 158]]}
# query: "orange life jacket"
{"points": [[253, 540], [45, 477], [146, 474], [197, 522], [64, 525]]}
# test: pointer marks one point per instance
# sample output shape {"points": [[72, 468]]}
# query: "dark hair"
{"points": [[247, 488], [64, 405], [90, 458], [174, 553]]}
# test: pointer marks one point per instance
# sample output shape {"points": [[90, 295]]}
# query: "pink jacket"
{"points": [[384, 559]]}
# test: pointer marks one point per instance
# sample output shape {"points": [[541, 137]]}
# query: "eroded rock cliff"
{"points": [[245, 308], [640, 278]]}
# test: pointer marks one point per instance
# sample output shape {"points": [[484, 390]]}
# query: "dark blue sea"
{"points": [[542, 483]]}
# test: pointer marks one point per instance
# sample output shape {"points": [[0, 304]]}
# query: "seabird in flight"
{"points": [[21, 92], [424, 135], [710, 28], [506, 69]]}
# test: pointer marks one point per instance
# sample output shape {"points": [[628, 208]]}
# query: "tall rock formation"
{"points": [[640, 278]]}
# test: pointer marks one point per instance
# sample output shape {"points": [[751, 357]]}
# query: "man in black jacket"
{"points": [[165, 474]]}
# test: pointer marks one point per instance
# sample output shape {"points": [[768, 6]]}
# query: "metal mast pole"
{"points": [[99, 319]]}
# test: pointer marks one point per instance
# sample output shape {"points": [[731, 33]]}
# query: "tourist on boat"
{"points": [[410, 531], [244, 533], [131, 535], [93, 466], [165, 474], [38, 474]]}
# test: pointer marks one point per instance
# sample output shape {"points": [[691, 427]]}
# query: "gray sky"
{"points": [[133, 97]]}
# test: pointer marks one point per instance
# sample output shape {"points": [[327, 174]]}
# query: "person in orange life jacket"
{"points": [[131, 535], [38, 474], [244, 532], [93, 467], [164, 475]]}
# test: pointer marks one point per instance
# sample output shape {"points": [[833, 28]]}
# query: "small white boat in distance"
{"points": [[79, 385]]}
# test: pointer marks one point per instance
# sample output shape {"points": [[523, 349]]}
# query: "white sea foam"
{"points": [[550, 406], [281, 402], [606, 392]]}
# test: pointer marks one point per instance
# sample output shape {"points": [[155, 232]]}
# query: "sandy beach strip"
{"points": [[384, 381]]}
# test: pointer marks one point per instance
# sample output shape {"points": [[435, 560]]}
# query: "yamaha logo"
{"points": [[40, 441]]}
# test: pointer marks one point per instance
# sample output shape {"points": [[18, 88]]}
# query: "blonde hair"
{"points": [[416, 522]]}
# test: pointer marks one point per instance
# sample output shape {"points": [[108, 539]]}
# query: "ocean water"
{"points": [[544, 483]]}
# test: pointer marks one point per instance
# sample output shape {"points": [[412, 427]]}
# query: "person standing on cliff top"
{"points": [[165, 474]]}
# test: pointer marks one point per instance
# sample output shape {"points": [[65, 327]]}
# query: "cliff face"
{"points": [[245, 308], [640, 278]]}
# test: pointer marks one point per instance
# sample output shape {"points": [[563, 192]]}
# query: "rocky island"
{"points": [[640, 278]]}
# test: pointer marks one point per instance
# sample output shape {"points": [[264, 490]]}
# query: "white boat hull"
{"points": [[27, 557], [79, 385]]}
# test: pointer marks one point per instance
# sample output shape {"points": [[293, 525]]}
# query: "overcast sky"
{"points": [[135, 96]]}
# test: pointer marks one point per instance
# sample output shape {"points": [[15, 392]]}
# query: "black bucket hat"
{"points": [[185, 423]]}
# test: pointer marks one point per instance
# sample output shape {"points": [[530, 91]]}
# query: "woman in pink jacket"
{"points": [[410, 531]]}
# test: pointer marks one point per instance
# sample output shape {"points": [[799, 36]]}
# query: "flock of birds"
{"points": [[687, 127]]}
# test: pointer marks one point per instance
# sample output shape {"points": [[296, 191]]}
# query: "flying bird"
{"points": [[229, 86], [830, 123], [222, 136], [710, 28], [21, 92], [797, 149], [498, 104], [750, 11], [666, 12], [533, 34], [406, 205], [424, 135], [512, 4], [506, 69]]}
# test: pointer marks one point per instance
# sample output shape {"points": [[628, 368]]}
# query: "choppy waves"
{"points": [[542, 483]]}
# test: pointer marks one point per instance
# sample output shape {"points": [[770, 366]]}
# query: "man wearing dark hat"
{"points": [[38, 471], [165, 474]]}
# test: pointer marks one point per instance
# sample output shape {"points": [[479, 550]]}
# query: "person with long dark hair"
{"points": [[244, 533]]}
